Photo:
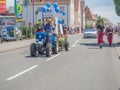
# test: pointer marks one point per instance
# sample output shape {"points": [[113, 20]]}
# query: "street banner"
{"points": [[18, 8], [2, 7], [25, 2]]}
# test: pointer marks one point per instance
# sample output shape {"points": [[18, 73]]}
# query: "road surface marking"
{"points": [[87, 41], [52, 57], [17, 75], [75, 43], [69, 48]]}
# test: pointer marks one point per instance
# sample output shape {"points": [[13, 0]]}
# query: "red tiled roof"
{"points": [[89, 14], [108, 21]]}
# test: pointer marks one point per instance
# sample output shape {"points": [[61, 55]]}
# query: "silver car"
{"points": [[11, 33], [90, 33]]}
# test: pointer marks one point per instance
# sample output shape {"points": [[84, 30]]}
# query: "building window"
{"points": [[62, 9]]}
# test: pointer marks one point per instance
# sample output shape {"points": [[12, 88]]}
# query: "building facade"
{"points": [[77, 10], [82, 4], [30, 15], [90, 18]]}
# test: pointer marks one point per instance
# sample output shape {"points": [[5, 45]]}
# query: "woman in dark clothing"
{"points": [[110, 35], [100, 29]]}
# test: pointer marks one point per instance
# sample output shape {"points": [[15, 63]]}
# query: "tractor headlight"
{"points": [[39, 36]]}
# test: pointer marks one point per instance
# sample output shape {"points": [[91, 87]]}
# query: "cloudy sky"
{"points": [[104, 8]]}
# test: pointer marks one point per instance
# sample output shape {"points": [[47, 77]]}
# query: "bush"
{"points": [[27, 32], [86, 26]]}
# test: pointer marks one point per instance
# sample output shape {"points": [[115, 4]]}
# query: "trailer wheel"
{"points": [[66, 46], [33, 49], [56, 48]]}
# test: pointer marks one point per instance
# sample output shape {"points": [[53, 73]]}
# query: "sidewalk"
{"points": [[116, 41], [117, 49], [14, 45]]}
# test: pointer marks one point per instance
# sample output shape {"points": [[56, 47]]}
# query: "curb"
{"points": [[14, 49], [117, 51]]}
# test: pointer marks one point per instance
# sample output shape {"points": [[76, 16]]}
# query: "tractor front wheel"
{"points": [[33, 49]]}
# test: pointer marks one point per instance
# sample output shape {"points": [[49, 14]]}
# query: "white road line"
{"points": [[22, 73], [87, 41], [52, 57], [75, 43]]}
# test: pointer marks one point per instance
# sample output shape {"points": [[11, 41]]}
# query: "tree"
{"points": [[117, 6], [100, 19]]}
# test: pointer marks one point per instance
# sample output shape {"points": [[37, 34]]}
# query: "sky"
{"points": [[104, 8]]}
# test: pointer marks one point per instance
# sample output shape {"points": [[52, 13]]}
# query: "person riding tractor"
{"points": [[49, 29]]}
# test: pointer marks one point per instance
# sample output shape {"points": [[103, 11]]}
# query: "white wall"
{"points": [[71, 14], [28, 14]]}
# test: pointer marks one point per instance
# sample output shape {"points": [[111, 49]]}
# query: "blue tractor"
{"points": [[44, 45]]}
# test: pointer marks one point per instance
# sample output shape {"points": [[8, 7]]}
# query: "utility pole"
{"points": [[33, 11]]}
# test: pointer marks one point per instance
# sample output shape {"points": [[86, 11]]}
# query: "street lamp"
{"points": [[33, 11]]}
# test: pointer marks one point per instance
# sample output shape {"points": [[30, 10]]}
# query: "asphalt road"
{"points": [[83, 67]]}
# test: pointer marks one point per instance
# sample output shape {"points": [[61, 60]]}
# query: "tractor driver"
{"points": [[49, 29]]}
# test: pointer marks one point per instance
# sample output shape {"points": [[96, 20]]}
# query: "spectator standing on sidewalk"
{"points": [[118, 30]]}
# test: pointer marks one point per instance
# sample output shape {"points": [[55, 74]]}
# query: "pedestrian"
{"points": [[110, 35], [100, 29], [118, 30], [106, 30], [39, 26]]}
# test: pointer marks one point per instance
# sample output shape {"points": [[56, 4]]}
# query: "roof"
{"points": [[108, 21], [89, 14]]}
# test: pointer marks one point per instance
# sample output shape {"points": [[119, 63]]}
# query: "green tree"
{"points": [[117, 6], [100, 19]]}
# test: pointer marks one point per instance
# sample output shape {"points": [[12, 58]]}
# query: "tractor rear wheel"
{"points": [[48, 50]]}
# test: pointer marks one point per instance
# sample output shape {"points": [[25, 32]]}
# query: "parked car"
{"points": [[11, 33], [90, 33]]}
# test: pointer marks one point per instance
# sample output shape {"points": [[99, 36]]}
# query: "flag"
{"points": [[18, 8], [25, 3]]}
